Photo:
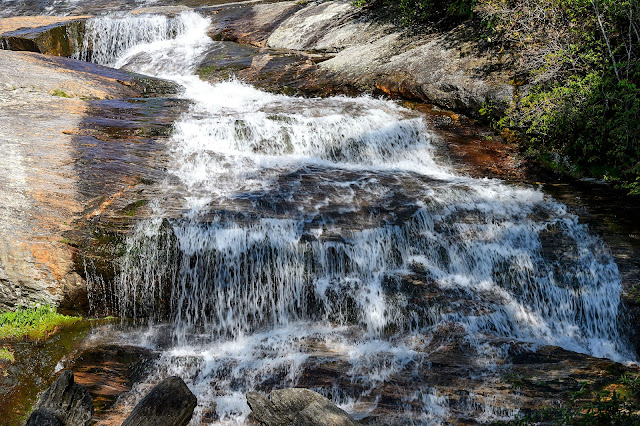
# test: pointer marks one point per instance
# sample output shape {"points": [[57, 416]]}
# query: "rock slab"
{"points": [[170, 403], [64, 403], [296, 406]]}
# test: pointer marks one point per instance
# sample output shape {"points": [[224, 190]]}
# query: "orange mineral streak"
{"points": [[55, 257], [110, 200]]}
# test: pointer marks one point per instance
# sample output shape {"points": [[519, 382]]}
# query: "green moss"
{"points": [[35, 323], [132, 208], [616, 404], [60, 93], [206, 71], [7, 355]]}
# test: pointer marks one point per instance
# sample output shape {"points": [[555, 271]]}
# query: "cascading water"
{"points": [[319, 235]]}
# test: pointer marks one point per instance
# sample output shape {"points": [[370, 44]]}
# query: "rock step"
{"points": [[296, 406], [58, 39]]}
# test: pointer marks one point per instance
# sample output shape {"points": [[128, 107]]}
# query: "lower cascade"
{"points": [[320, 243]]}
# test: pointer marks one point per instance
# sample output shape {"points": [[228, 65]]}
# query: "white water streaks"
{"points": [[319, 244]]}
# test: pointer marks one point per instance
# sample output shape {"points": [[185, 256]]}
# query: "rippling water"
{"points": [[319, 243]]}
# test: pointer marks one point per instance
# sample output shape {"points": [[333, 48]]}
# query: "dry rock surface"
{"points": [[450, 69]]}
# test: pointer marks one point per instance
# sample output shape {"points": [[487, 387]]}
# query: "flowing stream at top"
{"points": [[318, 243], [11, 8]]}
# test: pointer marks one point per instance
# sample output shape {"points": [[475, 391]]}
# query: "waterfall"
{"points": [[315, 229]]}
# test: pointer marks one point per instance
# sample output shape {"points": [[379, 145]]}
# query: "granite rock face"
{"points": [[59, 169], [61, 38], [451, 69]]}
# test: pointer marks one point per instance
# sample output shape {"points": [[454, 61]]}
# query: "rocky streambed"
{"points": [[108, 209]]}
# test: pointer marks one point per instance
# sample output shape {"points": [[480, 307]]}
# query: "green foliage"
{"points": [[589, 407], [633, 187], [416, 12], [34, 323], [582, 61]]}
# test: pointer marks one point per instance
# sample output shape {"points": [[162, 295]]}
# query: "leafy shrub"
{"points": [[581, 62], [416, 12]]}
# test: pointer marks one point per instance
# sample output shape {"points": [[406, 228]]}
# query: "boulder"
{"points": [[170, 403], [43, 418], [300, 407], [64, 403], [58, 39]]}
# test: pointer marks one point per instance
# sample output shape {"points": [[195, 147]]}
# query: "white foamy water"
{"points": [[318, 243]]}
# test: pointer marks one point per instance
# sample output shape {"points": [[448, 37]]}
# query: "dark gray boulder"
{"points": [[64, 403], [43, 418], [170, 403], [299, 407]]}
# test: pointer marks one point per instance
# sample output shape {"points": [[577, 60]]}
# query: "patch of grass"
{"points": [[60, 93], [35, 323], [7, 355]]}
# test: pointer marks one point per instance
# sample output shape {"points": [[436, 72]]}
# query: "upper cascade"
{"points": [[114, 39]]}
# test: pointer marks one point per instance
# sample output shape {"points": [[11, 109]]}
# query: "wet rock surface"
{"points": [[530, 379], [169, 403], [33, 369], [12, 8], [49, 182], [296, 406], [64, 403], [248, 23], [274, 70], [108, 371]]}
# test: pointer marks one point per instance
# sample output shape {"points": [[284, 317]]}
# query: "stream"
{"points": [[322, 243]]}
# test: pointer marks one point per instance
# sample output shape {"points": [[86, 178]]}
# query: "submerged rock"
{"points": [[169, 403], [301, 407], [64, 403], [108, 371]]}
